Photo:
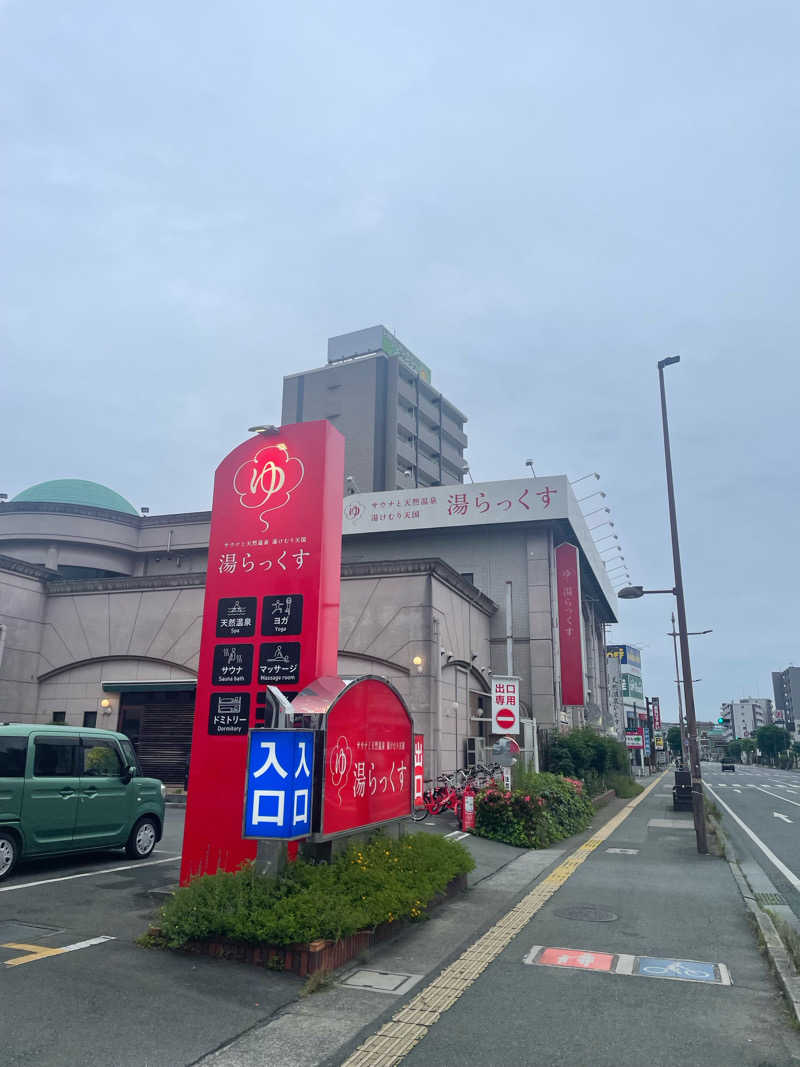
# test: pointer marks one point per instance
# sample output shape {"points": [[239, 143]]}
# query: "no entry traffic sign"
{"points": [[506, 718], [505, 705]]}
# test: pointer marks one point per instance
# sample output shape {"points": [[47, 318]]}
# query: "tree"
{"points": [[772, 740], [749, 748], [674, 740], [735, 749], [795, 751]]}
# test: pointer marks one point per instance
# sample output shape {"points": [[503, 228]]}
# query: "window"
{"points": [[90, 718], [129, 755], [12, 756], [468, 576], [59, 716], [54, 757], [101, 759]]}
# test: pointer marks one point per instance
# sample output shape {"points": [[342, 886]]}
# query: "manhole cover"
{"points": [[14, 931], [769, 898], [587, 913]]}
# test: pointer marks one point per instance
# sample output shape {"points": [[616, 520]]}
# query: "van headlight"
{"points": [[163, 791]]}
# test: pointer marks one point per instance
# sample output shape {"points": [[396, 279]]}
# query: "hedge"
{"points": [[382, 881], [541, 809]]}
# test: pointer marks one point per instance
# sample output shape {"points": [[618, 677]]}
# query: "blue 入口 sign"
{"points": [[280, 775]]}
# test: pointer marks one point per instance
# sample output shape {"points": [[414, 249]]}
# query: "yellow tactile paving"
{"points": [[409, 1025]]}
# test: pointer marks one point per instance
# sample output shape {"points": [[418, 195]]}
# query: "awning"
{"points": [[184, 685]]}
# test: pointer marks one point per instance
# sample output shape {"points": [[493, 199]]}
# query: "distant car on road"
{"points": [[73, 789], [728, 763]]}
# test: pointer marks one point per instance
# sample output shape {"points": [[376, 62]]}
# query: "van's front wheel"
{"points": [[143, 838], [9, 851]]}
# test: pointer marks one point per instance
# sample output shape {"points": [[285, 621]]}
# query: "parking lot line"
{"points": [[39, 952], [87, 874]]}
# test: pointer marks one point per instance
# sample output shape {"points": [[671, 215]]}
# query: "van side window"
{"points": [[54, 757], [12, 756], [100, 760]]}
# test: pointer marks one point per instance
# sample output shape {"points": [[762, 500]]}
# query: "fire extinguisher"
{"points": [[468, 809]]}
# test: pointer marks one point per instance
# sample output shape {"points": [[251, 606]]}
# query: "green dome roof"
{"points": [[76, 491]]}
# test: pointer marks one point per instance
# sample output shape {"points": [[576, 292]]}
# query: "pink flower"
{"points": [[527, 800], [506, 796], [540, 801]]}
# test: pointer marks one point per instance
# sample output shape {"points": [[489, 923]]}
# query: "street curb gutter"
{"points": [[776, 950]]}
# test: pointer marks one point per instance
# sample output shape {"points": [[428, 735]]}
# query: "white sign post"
{"points": [[505, 705]]}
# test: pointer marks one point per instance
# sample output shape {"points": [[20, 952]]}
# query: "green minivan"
{"points": [[73, 789]]}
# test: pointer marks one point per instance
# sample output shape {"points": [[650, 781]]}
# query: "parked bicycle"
{"points": [[447, 794]]}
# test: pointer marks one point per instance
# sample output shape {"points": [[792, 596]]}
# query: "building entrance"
{"points": [[159, 723]]}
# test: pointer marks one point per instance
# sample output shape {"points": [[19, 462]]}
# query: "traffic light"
{"points": [[720, 720]]}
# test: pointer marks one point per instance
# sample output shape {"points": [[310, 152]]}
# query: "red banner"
{"points": [[369, 759], [270, 617], [655, 706], [569, 624]]}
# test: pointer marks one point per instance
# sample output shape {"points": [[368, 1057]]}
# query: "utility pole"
{"points": [[684, 748], [698, 807]]}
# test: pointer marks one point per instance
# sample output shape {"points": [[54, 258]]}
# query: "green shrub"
{"points": [[623, 785], [540, 809], [587, 755], [379, 882]]}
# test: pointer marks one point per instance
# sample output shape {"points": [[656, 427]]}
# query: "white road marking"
{"points": [[790, 876], [88, 874], [86, 944], [623, 851], [778, 815], [625, 964], [784, 800]]}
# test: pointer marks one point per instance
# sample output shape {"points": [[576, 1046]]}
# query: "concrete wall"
{"points": [[22, 608]]}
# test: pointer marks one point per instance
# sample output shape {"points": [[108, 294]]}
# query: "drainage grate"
{"points": [[769, 898], [587, 913]]}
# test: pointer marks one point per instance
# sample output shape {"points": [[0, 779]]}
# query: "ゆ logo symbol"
{"points": [[268, 480]]}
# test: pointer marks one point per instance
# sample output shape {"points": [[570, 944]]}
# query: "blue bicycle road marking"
{"points": [[688, 970]]}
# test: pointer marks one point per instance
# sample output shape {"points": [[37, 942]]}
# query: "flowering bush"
{"points": [[546, 809]]}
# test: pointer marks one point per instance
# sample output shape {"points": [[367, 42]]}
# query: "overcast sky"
{"points": [[540, 199]]}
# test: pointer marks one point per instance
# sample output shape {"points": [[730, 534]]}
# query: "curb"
{"points": [[777, 952]]}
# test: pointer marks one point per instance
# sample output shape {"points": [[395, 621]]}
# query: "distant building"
{"points": [[747, 715], [400, 432], [632, 687], [786, 687]]}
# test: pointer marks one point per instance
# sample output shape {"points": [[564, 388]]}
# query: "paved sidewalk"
{"points": [[573, 985]]}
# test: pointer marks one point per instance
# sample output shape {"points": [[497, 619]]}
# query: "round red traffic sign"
{"points": [[505, 718]]}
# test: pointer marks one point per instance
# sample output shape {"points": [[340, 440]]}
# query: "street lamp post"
{"points": [[686, 665], [684, 751], [674, 635]]}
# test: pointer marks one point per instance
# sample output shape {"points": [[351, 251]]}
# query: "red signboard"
{"points": [[369, 758], [655, 706], [419, 769], [270, 617], [569, 624]]}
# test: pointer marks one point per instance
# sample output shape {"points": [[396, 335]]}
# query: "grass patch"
{"points": [[623, 785], [382, 881]]}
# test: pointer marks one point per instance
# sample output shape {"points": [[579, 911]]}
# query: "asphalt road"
{"points": [[114, 1003], [767, 803]]}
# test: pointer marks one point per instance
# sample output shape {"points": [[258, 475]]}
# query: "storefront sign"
{"points": [[634, 739], [505, 705], [655, 707], [419, 769], [279, 784], [369, 758], [615, 702], [270, 617], [569, 624], [632, 687]]}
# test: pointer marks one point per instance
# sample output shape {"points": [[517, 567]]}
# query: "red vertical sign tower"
{"points": [[270, 617], [569, 624]]}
